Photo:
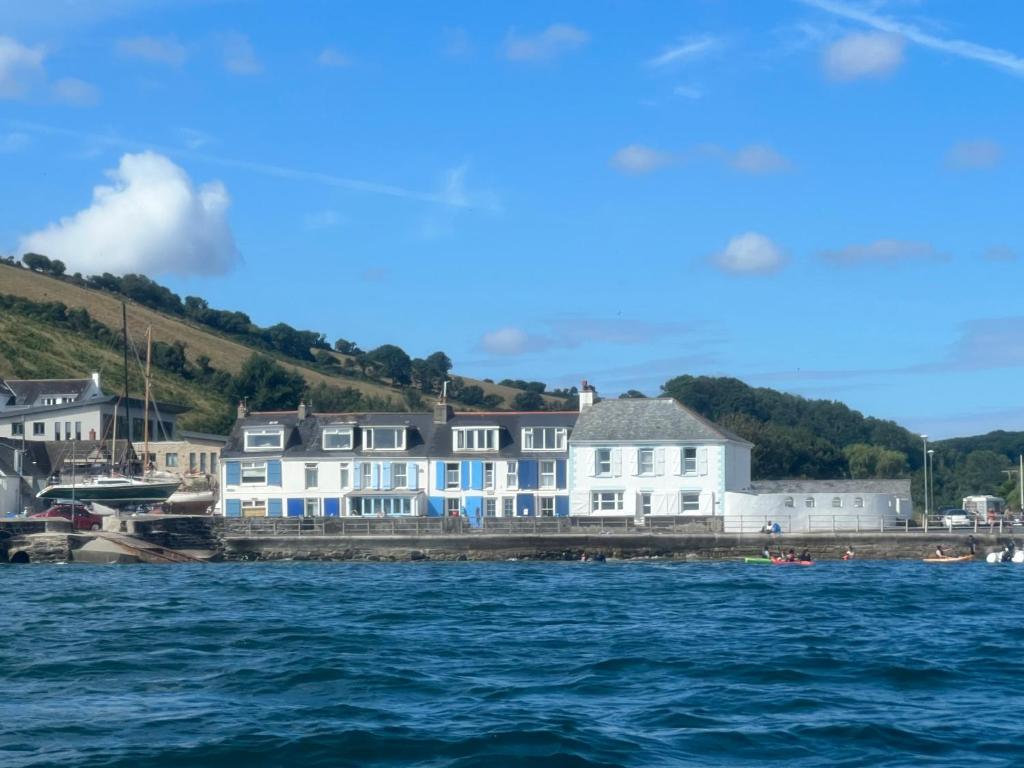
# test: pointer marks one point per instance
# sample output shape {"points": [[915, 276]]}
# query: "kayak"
{"points": [[757, 560], [961, 559], [779, 561], [997, 557]]}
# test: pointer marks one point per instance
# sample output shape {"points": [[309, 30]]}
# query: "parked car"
{"points": [[956, 518], [82, 519]]}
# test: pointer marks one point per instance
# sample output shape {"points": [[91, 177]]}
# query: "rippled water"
{"points": [[512, 664]]}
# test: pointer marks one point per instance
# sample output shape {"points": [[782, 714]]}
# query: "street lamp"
{"points": [[931, 474], [925, 454]]}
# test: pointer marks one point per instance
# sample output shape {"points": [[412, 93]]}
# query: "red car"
{"points": [[79, 515]]}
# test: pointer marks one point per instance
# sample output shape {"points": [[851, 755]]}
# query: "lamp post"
{"points": [[925, 454], [931, 474]]}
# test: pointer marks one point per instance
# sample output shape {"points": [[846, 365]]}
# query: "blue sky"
{"points": [[818, 196]]}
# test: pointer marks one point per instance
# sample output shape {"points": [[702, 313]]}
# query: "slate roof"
{"points": [[895, 487], [28, 391], [661, 419], [19, 412], [424, 438]]}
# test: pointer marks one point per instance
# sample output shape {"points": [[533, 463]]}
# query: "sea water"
{"points": [[512, 664]]}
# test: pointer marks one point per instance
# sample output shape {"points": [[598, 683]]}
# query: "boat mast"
{"points": [[145, 423], [127, 406]]}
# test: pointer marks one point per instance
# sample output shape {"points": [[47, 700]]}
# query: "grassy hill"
{"points": [[31, 347]]}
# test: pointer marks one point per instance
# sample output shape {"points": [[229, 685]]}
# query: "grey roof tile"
{"points": [[645, 419]]}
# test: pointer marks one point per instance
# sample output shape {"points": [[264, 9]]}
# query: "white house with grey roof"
{"points": [[642, 457]]}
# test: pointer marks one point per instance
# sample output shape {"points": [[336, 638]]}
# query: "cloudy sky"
{"points": [[819, 196]]}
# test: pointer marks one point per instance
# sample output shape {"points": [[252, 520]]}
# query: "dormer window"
{"points": [[384, 438], [264, 439], [544, 438], [475, 439], [337, 438]]}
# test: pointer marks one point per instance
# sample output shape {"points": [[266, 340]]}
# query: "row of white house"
{"points": [[624, 458]]}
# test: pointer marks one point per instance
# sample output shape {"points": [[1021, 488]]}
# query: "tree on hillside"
{"points": [[57, 268], [346, 347], [528, 401], [873, 461], [392, 362], [267, 386], [327, 399], [632, 394], [36, 262]]}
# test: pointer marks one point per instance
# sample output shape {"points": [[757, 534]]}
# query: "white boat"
{"points": [[997, 557], [112, 490]]}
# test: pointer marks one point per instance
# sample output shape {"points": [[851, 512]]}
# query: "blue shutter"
{"points": [[412, 475], [273, 473], [357, 476], [440, 475], [474, 510], [295, 507], [273, 507], [233, 473], [385, 479], [524, 504], [560, 474], [464, 474], [375, 476], [528, 474], [561, 506], [332, 507], [435, 506], [476, 475], [234, 508]]}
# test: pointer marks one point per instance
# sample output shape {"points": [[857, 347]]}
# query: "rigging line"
{"points": [[156, 409]]}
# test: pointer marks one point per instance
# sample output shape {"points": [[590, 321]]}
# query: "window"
{"points": [[488, 474], [603, 461], [192, 462], [451, 475], [254, 508], [476, 439], [171, 460], [311, 508], [264, 439], [213, 463], [837, 502], [606, 501], [67, 430], [312, 475], [645, 461], [78, 430], [490, 507], [809, 502], [49, 401], [399, 476], [645, 503], [859, 502], [39, 428], [202, 463], [254, 473], [547, 506], [508, 506], [378, 506], [452, 507], [337, 438], [689, 461], [366, 474], [788, 501], [544, 438], [547, 474], [17, 428], [345, 477], [512, 474], [689, 501], [56, 430], [384, 438]]}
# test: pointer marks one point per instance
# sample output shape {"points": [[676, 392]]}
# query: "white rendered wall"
{"points": [[748, 512]]}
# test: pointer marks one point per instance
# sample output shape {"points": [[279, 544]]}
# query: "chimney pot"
{"points": [[243, 409], [301, 413], [587, 394]]}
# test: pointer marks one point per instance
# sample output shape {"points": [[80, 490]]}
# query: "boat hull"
{"points": [[112, 495]]}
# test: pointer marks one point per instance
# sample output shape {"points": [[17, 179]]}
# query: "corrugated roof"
{"points": [[895, 487], [646, 419]]}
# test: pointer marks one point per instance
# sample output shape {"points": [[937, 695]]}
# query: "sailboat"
{"points": [[115, 490]]}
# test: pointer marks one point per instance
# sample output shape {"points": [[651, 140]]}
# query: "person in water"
{"points": [[849, 554], [791, 556], [805, 556], [765, 553]]}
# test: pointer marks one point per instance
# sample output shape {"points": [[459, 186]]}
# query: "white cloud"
{"points": [[637, 159], [758, 159], [20, 67], [77, 93], [971, 155], [549, 44], [332, 57], [867, 54], [239, 56], [749, 253], [507, 342], [14, 142], [150, 219], [884, 251], [163, 50], [690, 48]]}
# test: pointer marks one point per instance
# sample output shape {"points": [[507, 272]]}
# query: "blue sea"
{"points": [[512, 664]]}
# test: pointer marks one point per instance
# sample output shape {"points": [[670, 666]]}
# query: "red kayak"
{"points": [[783, 561]]}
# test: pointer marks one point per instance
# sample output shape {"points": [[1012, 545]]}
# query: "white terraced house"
{"points": [[652, 457]]}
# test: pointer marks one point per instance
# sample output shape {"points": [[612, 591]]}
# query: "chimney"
{"points": [[587, 395], [243, 409], [443, 412], [96, 379], [301, 412]]}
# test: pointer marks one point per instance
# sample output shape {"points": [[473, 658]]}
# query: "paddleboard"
{"points": [[758, 560]]}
